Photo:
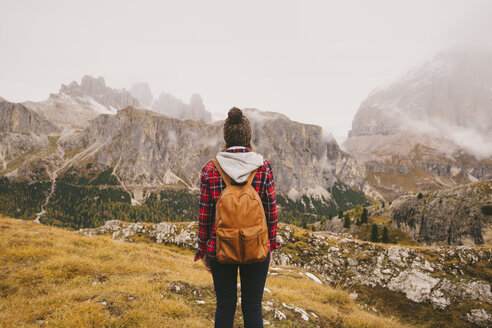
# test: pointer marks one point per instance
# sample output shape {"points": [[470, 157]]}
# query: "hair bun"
{"points": [[235, 115]]}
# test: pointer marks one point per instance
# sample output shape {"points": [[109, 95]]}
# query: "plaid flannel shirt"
{"points": [[210, 188]]}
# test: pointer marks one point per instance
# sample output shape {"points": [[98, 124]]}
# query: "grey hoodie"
{"points": [[239, 165]]}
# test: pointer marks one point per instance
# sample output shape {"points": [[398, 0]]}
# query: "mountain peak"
{"points": [[92, 84], [94, 89], [141, 91], [453, 88], [170, 105]]}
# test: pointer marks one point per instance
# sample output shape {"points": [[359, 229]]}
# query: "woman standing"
{"points": [[237, 161]]}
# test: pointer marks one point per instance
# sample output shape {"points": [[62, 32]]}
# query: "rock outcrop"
{"points": [[455, 216]]}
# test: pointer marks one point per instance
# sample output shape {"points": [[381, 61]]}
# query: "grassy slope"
{"points": [[56, 278]]}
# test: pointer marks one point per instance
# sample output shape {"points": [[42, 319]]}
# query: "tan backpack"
{"points": [[240, 223]]}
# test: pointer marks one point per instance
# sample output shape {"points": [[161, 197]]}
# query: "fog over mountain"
{"points": [[449, 97], [141, 91], [432, 127], [170, 105]]}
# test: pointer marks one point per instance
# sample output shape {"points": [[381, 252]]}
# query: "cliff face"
{"points": [[454, 216], [25, 139], [429, 129], [304, 156], [149, 151], [16, 118]]}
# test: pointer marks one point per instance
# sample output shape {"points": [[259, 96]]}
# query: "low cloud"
{"points": [[259, 118], [468, 138]]}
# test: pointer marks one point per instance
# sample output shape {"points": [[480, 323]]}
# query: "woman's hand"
{"points": [[206, 263]]}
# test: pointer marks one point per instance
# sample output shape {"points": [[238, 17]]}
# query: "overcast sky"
{"points": [[314, 61]]}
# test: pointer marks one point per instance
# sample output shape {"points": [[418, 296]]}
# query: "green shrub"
{"points": [[346, 223], [385, 238], [487, 210], [363, 217], [374, 233]]}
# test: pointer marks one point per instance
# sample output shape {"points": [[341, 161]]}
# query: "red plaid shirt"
{"points": [[210, 188]]}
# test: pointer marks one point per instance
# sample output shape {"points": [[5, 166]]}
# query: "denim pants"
{"points": [[253, 277]]}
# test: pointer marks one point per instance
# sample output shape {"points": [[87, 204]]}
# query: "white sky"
{"points": [[314, 61]]}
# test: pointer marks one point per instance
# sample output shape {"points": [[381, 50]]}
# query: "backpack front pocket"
{"points": [[253, 246], [228, 250]]}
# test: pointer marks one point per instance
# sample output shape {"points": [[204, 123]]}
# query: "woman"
{"points": [[237, 161]]}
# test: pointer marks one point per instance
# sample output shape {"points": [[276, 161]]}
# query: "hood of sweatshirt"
{"points": [[238, 165]]}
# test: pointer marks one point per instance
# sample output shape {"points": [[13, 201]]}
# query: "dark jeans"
{"points": [[253, 277]]}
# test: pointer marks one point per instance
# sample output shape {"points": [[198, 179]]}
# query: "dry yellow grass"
{"points": [[51, 277]]}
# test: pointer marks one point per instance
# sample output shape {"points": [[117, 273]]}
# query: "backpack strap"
{"points": [[224, 176], [252, 176]]}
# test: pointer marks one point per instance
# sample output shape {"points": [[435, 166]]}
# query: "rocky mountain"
{"points": [[169, 105], [452, 88], [430, 129], [149, 151], [132, 156], [112, 99], [437, 286], [76, 104], [291, 145]]}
